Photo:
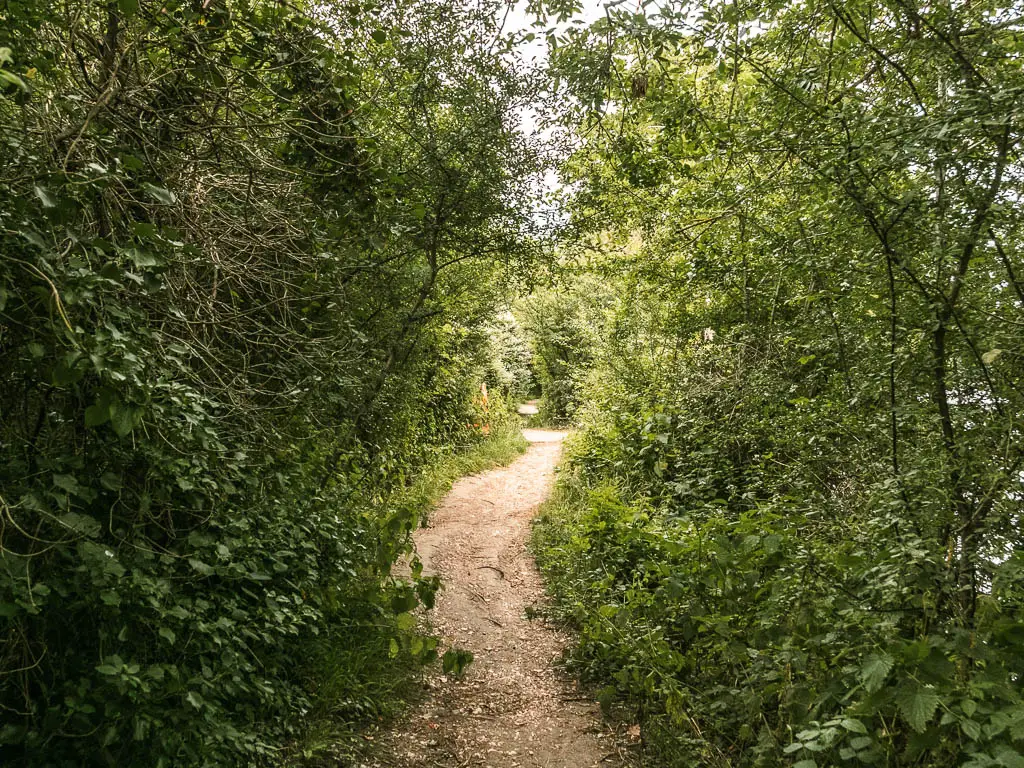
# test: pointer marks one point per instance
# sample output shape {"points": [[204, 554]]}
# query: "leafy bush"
{"points": [[235, 323], [757, 598]]}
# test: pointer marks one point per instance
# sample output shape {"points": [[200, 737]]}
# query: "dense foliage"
{"points": [[250, 251], [791, 530], [561, 326], [255, 264]]}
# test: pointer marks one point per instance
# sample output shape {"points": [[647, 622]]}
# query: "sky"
{"points": [[519, 20], [535, 52]]}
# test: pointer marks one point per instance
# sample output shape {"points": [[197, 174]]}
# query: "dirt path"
{"points": [[529, 408], [512, 709]]}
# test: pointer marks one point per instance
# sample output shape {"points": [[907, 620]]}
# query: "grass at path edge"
{"points": [[357, 680], [503, 447]]}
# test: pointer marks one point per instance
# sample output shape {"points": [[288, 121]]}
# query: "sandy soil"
{"points": [[512, 709]]}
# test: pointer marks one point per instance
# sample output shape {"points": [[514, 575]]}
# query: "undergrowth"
{"points": [[503, 445], [742, 629]]}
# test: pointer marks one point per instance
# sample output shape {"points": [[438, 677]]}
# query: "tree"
{"points": [[824, 200]]}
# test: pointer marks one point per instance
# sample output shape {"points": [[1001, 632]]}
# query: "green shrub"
{"points": [[790, 534], [363, 667], [754, 596]]}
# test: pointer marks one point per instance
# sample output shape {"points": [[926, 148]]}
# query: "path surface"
{"points": [[529, 408], [512, 709]]}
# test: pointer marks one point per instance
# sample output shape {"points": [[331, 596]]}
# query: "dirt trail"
{"points": [[512, 709]]}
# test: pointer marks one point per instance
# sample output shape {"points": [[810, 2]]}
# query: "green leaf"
{"points": [[917, 704], [161, 195], [167, 635], [854, 725], [403, 602], [874, 670], [12, 79], [455, 661], [122, 419], [80, 524], [405, 621], [971, 729], [45, 197], [66, 483], [1009, 757], [145, 229], [805, 764], [991, 356], [393, 648], [131, 163], [200, 567], [128, 7], [111, 665], [97, 415], [143, 259], [379, 36]]}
